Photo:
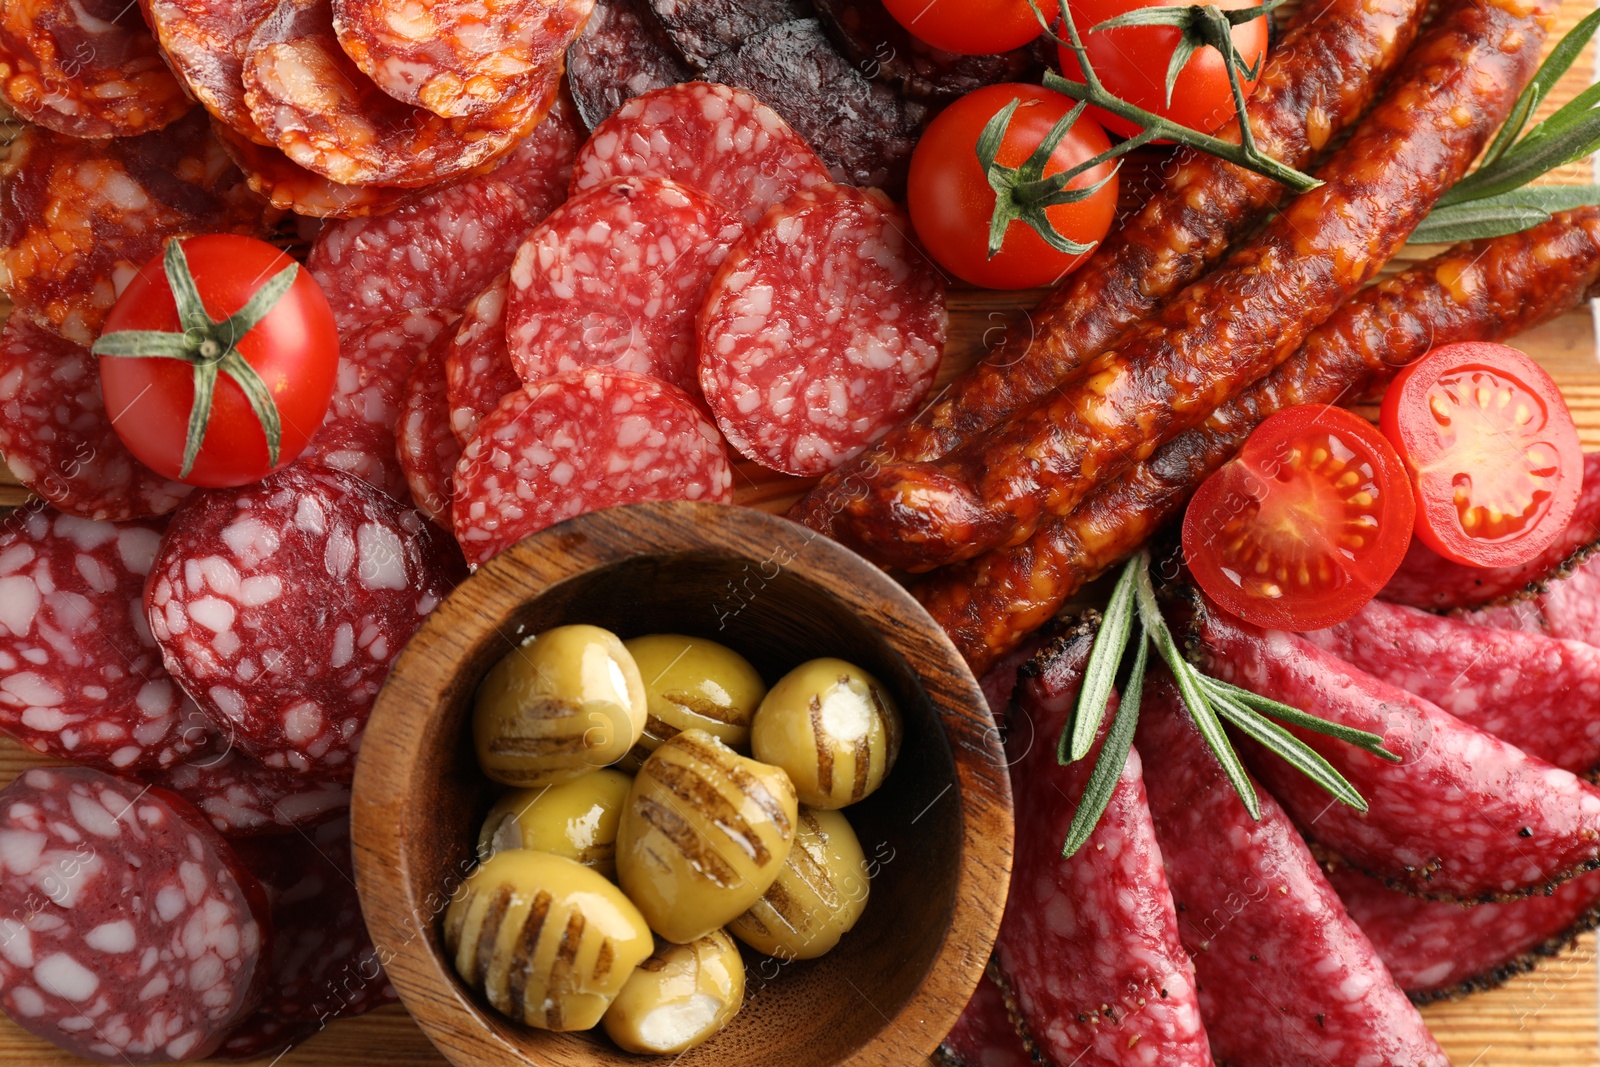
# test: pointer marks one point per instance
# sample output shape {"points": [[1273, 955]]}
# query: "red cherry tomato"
{"points": [[294, 350], [973, 27], [1492, 451], [1306, 525], [952, 202], [1132, 62]]}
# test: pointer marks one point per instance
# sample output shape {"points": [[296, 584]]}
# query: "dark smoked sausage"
{"points": [[1226, 331]]}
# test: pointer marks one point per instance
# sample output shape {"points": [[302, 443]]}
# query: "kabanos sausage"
{"points": [[1228, 330], [1317, 81]]}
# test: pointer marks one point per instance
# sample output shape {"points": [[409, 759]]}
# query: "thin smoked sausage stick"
{"points": [[1320, 79], [1229, 329], [1480, 291]]}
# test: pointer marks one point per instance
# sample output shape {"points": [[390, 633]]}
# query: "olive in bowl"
{"points": [[576, 819], [833, 728], [692, 683]]}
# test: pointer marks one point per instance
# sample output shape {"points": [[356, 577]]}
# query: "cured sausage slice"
{"points": [[79, 218], [984, 1036], [823, 329], [1532, 691], [205, 43], [704, 29], [358, 433], [578, 442], [80, 676], [86, 69], [56, 438], [281, 605], [1463, 816], [290, 187], [478, 368], [132, 932], [1089, 944], [428, 448], [622, 53], [884, 50], [242, 798], [1567, 609], [458, 58], [1285, 975], [539, 170], [1435, 949], [614, 278], [714, 138]]}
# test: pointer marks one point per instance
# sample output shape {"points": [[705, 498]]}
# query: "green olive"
{"points": [[564, 703], [694, 684], [679, 997], [576, 819], [704, 834], [818, 896], [548, 941], [833, 727]]}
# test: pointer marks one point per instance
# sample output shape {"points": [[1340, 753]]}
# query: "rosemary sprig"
{"points": [[1209, 701]]}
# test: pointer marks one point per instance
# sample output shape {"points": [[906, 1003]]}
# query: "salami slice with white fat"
{"points": [[243, 798], [205, 42], [1285, 975], [822, 330], [985, 1036], [86, 69], [358, 433], [478, 368], [539, 170], [622, 53], [614, 278], [132, 933], [56, 438], [280, 607], [718, 139], [80, 674], [427, 447], [1568, 608], [578, 442]]}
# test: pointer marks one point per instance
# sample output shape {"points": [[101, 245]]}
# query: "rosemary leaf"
{"points": [[1299, 755], [1557, 64], [1105, 660], [1113, 758], [1568, 135], [1477, 220], [1367, 742]]}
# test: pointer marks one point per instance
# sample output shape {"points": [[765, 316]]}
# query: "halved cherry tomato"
{"points": [[1306, 525], [294, 351], [1132, 62], [973, 27], [952, 202], [1491, 449]]}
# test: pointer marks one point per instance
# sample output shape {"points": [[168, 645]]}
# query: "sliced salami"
{"points": [[985, 1036], [822, 330], [539, 170], [578, 442], [622, 53], [1285, 975], [478, 368], [614, 278], [358, 433], [1463, 816], [884, 50], [704, 29], [281, 605], [79, 218], [427, 447], [243, 798], [1089, 945], [55, 437], [86, 69], [458, 58], [205, 44], [714, 138], [132, 933], [1568, 608], [1533, 691], [1435, 949], [290, 187]]}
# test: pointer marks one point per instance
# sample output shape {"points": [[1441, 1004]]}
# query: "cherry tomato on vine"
{"points": [[1132, 63], [1492, 451], [953, 203], [1305, 525], [246, 370], [973, 27]]}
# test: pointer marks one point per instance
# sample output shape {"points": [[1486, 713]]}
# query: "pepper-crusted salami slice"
{"points": [[290, 187], [458, 58], [1436, 949], [80, 675], [704, 29], [243, 798], [205, 43], [478, 368], [56, 438], [1533, 691], [79, 218], [715, 138], [614, 278], [132, 933], [1089, 945], [280, 607], [86, 69], [1463, 815], [821, 331], [622, 53], [358, 433], [884, 50], [578, 442], [984, 1036], [427, 447], [1568, 609]]}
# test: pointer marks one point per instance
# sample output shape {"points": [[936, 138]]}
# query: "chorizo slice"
{"points": [[205, 42]]}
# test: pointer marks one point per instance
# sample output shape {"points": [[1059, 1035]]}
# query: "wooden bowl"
{"points": [[937, 834]]}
